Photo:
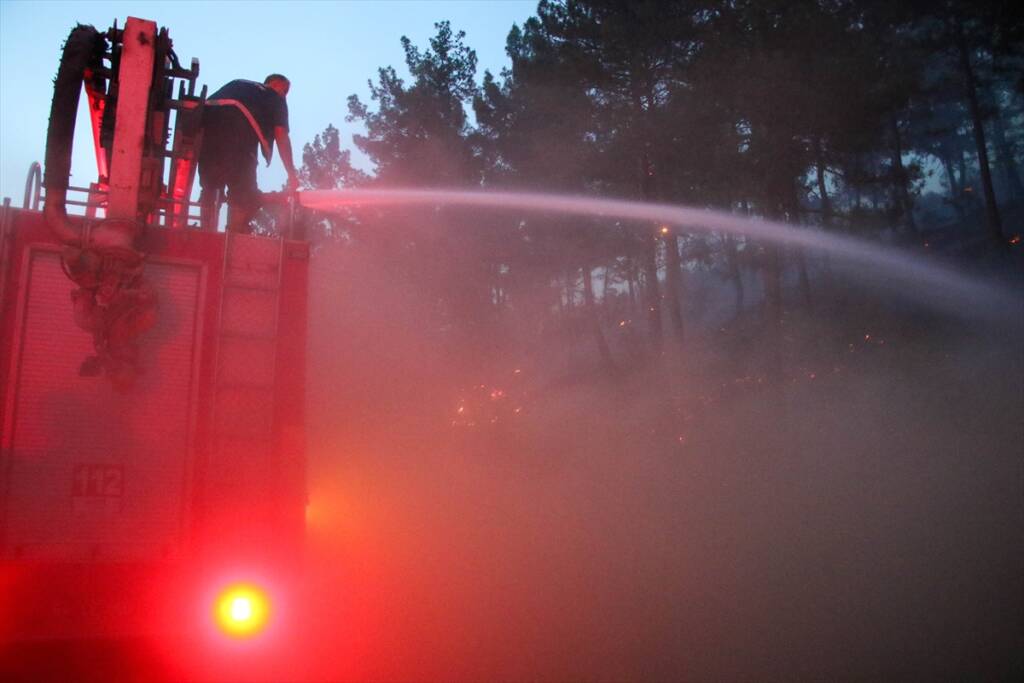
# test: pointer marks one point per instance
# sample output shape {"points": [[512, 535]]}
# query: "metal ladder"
{"points": [[245, 370]]}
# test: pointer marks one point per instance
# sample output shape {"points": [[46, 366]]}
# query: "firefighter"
{"points": [[241, 118]]}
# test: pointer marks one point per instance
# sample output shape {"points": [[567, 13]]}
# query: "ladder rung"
{"points": [[250, 336], [244, 386], [242, 435], [258, 274], [258, 288]]}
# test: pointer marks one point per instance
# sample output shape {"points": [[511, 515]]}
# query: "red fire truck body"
{"points": [[124, 509], [200, 463]]}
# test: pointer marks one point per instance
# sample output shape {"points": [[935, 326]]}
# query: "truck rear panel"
{"points": [[197, 467]]}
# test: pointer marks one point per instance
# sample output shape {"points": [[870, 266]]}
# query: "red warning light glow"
{"points": [[242, 610]]}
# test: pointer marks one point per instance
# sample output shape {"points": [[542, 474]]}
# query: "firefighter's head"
{"points": [[278, 83]]}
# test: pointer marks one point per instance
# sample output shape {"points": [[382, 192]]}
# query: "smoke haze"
{"points": [[857, 515]]}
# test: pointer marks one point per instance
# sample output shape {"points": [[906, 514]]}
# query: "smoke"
{"points": [[852, 511]]}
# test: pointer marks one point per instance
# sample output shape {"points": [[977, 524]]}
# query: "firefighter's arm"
{"points": [[284, 148]]}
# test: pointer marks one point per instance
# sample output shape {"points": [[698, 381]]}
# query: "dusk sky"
{"points": [[327, 49]]}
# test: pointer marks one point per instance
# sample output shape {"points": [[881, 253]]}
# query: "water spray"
{"points": [[939, 285], [287, 199]]}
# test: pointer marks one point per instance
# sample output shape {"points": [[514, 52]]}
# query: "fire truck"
{"points": [[152, 471]]}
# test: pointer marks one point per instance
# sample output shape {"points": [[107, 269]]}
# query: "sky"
{"points": [[328, 49]]}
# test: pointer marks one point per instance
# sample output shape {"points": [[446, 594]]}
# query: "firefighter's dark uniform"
{"points": [[239, 119]]}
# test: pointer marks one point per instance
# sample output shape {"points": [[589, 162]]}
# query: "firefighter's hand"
{"points": [[293, 182]]}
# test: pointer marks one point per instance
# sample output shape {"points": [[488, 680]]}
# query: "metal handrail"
{"points": [[34, 195], [5, 229], [34, 181]]}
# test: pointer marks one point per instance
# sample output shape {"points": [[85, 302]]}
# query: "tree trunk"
{"points": [[1007, 163], [954, 189], [819, 167], [674, 284], [856, 183], [773, 304], [570, 309], [805, 279], [645, 169], [955, 193], [995, 227], [772, 274], [733, 261], [801, 259], [594, 322], [652, 294], [652, 298], [965, 178], [899, 177]]}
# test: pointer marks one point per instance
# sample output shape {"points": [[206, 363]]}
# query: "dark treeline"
{"points": [[895, 120]]}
